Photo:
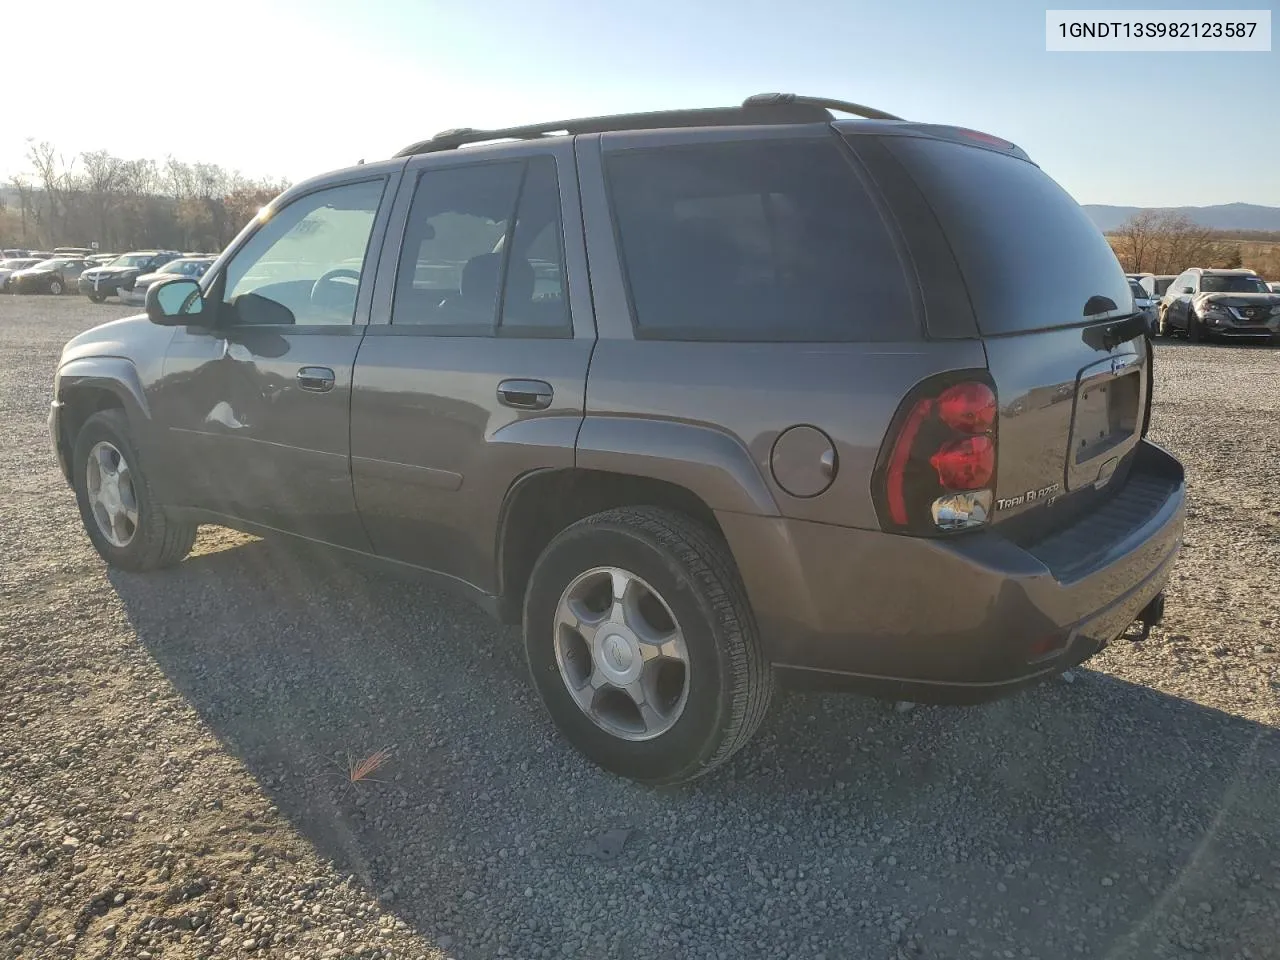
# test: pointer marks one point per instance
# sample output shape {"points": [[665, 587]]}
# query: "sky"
{"points": [[291, 88]]}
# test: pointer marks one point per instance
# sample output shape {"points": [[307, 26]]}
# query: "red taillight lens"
{"points": [[938, 471], [966, 464], [968, 407], [901, 455]]}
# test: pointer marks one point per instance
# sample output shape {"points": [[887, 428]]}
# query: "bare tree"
{"points": [[1184, 244], [1137, 241], [1153, 241], [104, 176], [26, 205], [1230, 258], [129, 202], [55, 177]]}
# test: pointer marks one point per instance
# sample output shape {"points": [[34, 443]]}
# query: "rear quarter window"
{"points": [[1031, 257], [762, 240]]}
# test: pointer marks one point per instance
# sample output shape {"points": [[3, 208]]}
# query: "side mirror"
{"points": [[175, 303]]}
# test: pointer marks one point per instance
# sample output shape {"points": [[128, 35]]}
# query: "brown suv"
{"points": [[707, 399]]}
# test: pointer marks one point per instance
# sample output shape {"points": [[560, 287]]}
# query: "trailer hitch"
{"points": [[1148, 617]]}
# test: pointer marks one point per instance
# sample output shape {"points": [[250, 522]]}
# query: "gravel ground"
{"points": [[174, 748]]}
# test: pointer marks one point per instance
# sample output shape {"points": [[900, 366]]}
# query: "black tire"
{"points": [[96, 297], [157, 541], [56, 287], [730, 683], [1195, 329]]}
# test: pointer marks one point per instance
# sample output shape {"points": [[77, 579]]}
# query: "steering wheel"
{"points": [[330, 292]]}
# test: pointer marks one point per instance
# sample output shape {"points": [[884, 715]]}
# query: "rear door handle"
{"points": [[525, 394], [316, 379]]}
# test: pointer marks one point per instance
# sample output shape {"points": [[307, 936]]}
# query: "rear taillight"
{"points": [[938, 466]]}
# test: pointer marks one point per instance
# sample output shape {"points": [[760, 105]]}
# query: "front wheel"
{"points": [[55, 287], [125, 524], [642, 644], [96, 297]]}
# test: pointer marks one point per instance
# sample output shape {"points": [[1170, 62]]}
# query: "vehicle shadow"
{"points": [[1097, 818]]}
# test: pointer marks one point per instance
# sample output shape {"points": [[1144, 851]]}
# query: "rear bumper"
{"points": [[964, 619]]}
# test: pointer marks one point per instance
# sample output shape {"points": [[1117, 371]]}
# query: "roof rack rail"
{"points": [[843, 106], [759, 109]]}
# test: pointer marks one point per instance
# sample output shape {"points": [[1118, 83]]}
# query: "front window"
{"points": [[1236, 284], [305, 264], [1136, 289]]}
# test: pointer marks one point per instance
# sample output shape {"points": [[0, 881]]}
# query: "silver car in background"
{"points": [[191, 267], [1145, 304]]}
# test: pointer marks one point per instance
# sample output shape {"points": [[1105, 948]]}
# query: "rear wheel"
{"points": [[642, 645], [125, 524]]}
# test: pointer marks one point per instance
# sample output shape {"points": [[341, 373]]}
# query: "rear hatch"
{"points": [[1064, 343]]}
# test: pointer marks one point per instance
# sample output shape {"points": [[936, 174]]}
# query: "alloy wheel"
{"points": [[112, 498], [621, 654]]}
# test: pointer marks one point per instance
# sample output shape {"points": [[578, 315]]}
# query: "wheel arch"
{"points": [[542, 503], [92, 384]]}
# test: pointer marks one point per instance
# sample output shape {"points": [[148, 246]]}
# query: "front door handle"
{"points": [[316, 379], [525, 394]]}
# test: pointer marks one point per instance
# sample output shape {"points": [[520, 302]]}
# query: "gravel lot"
{"points": [[173, 753]]}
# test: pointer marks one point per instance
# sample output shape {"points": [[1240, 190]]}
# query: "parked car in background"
{"points": [[751, 438], [1145, 304], [41, 254], [55, 276], [82, 253], [14, 253], [102, 258], [1157, 285], [105, 281], [10, 266], [1202, 303], [192, 267]]}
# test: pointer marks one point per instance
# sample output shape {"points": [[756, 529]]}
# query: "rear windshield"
{"points": [[761, 240], [1030, 256]]}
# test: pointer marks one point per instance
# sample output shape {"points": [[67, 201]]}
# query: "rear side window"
{"points": [[482, 254], [1032, 259], [771, 240]]}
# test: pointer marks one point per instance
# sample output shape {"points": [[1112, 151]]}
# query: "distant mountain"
{"points": [[1224, 216]]}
